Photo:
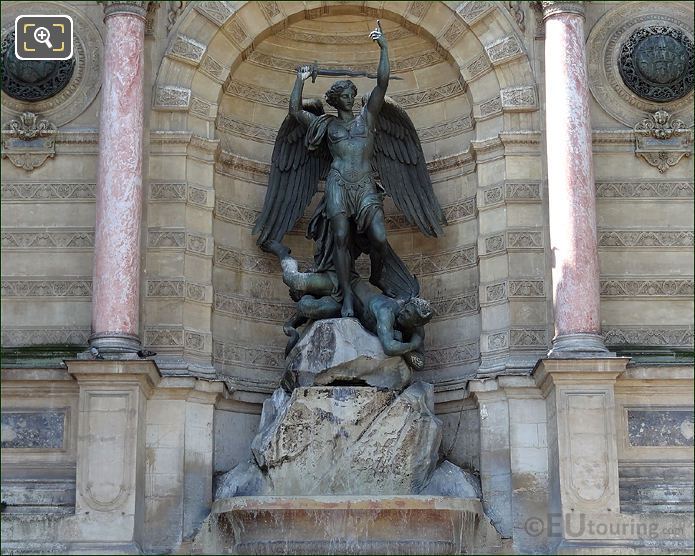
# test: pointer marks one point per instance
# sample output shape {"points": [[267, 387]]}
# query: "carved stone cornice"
{"points": [[551, 8], [124, 7]]}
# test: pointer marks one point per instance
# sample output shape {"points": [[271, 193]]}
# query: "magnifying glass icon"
{"points": [[43, 36]]}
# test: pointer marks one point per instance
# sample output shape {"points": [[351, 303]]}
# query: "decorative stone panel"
{"points": [[256, 357], [528, 338], [186, 49], [510, 192], [473, 11], [172, 98], [453, 33], [461, 354], [216, 11], [519, 99], [504, 50], [489, 108], [251, 131], [253, 308], [203, 109], [47, 239], [21, 337], [213, 69], [645, 190], [199, 244], [645, 238], [167, 192], [661, 287], [666, 336], [476, 68], [29, 286], [166, 238], [235, 30]]}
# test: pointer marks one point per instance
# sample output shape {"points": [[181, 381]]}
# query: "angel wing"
{"points": [[400, 163], [294, 176]]}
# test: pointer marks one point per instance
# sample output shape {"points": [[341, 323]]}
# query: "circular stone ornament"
{"points": [[32, 80], [656, 63], [639, 57], [78, 90]]}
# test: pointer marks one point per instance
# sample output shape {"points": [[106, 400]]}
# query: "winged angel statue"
{"points": [[348, 151]]}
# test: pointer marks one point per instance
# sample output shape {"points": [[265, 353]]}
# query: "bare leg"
{"points": [[321, 308], [341, 260], [377, 247], [310, 282]]}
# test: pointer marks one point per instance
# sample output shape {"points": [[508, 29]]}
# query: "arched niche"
{"points": [[226, 76]]}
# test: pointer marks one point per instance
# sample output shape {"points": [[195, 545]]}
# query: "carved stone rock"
{"points": [[339, 351], [450, 480], [343, 440]]}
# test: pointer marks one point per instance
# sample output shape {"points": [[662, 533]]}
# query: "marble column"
{"points": [[116, 281], [571, 190]]}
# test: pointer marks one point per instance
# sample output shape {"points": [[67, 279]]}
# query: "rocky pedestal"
{"points": [[341, 440], [347, 469], [341, 351]]}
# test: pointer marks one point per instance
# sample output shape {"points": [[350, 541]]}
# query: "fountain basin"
{"points": [[347, 525]]}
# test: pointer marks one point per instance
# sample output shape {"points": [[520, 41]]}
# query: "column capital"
{"points": [[124, 7], [554, 7]]}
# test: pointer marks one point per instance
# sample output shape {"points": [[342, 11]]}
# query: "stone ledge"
{"points": [[358, 525]]}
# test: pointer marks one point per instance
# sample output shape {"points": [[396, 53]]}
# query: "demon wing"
{"points": [[400, 163], [294, 176]]}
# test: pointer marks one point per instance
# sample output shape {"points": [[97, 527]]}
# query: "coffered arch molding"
{"points": [[212, 38]]}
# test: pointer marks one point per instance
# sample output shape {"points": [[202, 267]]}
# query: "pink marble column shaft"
{"points": [[571, 190], [115, 301]]}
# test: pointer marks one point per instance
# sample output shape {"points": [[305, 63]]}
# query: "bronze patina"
{"points": [[361, 157]]}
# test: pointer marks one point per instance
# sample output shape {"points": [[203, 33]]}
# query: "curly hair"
{"points": [[422, 307], [337, 89]]}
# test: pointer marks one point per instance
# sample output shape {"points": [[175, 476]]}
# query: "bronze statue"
{"points": [[349, 151], [398, 322]]}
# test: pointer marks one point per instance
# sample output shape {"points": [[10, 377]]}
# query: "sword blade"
{"points": [[347, 72]]}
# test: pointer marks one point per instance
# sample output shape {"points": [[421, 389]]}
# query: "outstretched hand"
{"points": [[304, 72], [378, 35]]}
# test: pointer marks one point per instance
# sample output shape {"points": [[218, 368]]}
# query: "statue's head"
{"points": [[415, 312], [342, 94]]}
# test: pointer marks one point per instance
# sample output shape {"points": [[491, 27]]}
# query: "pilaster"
{"points": [[110, 495], [582, 442]]}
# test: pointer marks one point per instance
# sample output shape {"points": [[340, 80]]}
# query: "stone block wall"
{"points": [[217, 76]]}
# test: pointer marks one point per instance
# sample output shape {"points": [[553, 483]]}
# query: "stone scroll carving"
{"points": [[662, 141], [28, 141]]}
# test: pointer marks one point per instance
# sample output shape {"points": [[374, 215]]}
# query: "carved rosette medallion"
{"points": [[32, 80], [639, 58], [656, 63], [77, 90]]}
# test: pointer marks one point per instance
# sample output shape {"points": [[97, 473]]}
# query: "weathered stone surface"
{"points": [[450, 480], [341, 440], [336, 351], [348, 525], [246, 479]]}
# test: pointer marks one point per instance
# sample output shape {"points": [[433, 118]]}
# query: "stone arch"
{"points": [[478, 37], [210, 41]]}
